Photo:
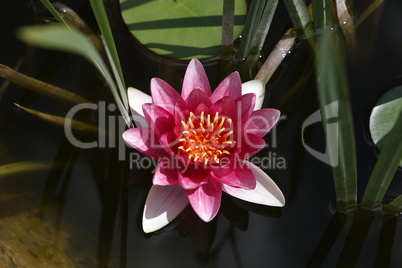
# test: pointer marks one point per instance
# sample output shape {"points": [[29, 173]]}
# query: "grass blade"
{"points": [[297, 10], [252, 22], [54, 12], [104, 26], [262, 29]]}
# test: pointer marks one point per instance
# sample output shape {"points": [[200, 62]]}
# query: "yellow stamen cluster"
{"points": [[204, 139]]}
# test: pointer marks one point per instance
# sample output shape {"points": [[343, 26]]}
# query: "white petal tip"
{"points": [[266, 191], [136, 98], [258, 88], [163, 205], [154, 224]]}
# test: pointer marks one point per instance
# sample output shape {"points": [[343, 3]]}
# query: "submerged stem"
{"points": [[39, 86]]}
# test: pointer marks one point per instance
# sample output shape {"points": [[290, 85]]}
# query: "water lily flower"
{"points": [[202, 140]]}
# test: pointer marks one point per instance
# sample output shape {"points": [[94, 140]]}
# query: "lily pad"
{"points": [[180, 29], [384, 115]]}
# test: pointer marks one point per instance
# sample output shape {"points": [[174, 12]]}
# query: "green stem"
{"points": [[337, 118], [384, 170], [227, 28], [322, 14]]}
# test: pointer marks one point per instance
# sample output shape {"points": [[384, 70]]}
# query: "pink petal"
{"points": [[177, 131], [163, 205], [169, 142], [249, 145], [164, 95], [136, 99], [193, 176], [165, 174], [239, 175], [145, 141], [266, 191], [206, 200], [181, 112], [196, 98], [224, 106], [230, 86], [195, 77], [201, 108], [244, 107], [258, 88], [262, 121], [160, 120]]}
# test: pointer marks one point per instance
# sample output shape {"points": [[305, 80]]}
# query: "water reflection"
{"points": [[358, 239]]}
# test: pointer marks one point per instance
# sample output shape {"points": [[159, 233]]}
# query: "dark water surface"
{"points": [[84, 208]]}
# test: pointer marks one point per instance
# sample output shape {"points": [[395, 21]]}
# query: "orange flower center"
{"points": [[206, 140]]}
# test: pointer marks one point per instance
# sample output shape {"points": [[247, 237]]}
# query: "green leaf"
{"points": [[62, 38], [384, 115], [337, 118], [71, 40], [180, 28]]}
